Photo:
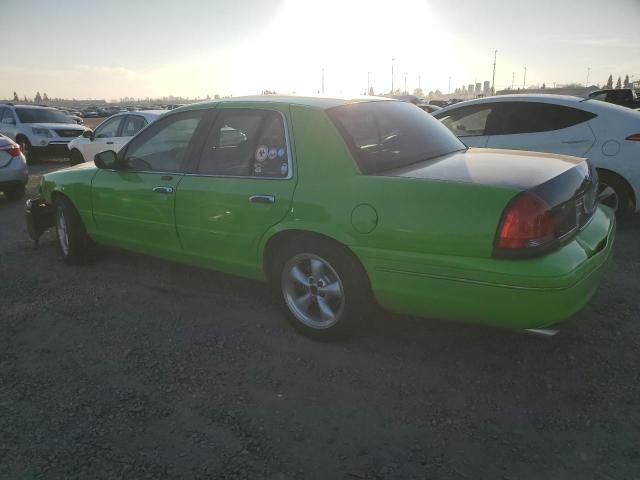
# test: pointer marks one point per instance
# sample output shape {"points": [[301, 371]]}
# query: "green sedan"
{"points": [[343, 205]]}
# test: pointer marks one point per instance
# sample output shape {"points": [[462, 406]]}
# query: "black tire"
{"points": [[27, 150], [341, 268], [74, 244], [75, 157], [622, 201]]}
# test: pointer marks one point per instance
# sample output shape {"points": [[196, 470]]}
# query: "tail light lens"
{"points": [[634, 138], [13, 150], [527, 226]]}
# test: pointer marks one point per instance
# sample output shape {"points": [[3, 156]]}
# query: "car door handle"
{"points": [[576, 141], [109, 143], [163, 189], [262, 199]]}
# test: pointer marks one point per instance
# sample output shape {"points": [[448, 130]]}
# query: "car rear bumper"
{"points": [[14, 172], [518, 294]]}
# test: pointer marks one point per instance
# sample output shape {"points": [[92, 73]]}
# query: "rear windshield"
{"points": [[41, 115], [384, 135]]}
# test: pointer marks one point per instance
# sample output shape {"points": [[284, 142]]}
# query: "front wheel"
{"points": [[73, 242], [322, 288], [27, 149], [75, 157]]}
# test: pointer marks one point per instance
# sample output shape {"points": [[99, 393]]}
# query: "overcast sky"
{"points": [[115, 48]]}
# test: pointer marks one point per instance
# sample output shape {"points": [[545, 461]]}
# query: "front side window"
{"points": [[41, 115], [512, 118], [109, 128], [246, 143], [132, 125], [467, 122], [384, 135], [163, 146]]}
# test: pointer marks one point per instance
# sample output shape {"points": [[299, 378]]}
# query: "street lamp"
{"points": [[493, 80], [392, 60], [524, 79], [586, 84]]}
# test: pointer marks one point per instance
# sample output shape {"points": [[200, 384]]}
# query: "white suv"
{"points": [[38, 130]]}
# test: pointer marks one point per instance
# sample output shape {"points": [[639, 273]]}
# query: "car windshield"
{"points": [[384, 135], [41, 115]]}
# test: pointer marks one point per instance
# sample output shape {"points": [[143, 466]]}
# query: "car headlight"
{"points": [[43, 132]]}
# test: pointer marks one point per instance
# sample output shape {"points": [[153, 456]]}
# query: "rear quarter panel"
{"points": [[388, 221]]}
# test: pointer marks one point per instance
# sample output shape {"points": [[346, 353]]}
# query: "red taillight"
{"points": [[13, 150], [634, 138], [526, 223]]}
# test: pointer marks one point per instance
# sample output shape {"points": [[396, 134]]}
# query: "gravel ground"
{"points": [[133, 367]]}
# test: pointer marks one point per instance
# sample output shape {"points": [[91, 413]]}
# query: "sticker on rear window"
{"points": [[273, 153]]}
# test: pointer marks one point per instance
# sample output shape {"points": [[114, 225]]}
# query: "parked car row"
{"points": [[342, 205], [39, 131], [13, 169]]}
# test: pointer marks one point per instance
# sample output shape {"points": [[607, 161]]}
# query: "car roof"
{"points": [[587, 104], [318, 102]]}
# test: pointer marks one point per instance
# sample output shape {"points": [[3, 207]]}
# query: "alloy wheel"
{"points": [[313, 291], [63, 234]]}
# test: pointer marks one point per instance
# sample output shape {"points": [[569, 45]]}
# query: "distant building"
{"points": [[478, 88], [486, 88], [470, 89]]}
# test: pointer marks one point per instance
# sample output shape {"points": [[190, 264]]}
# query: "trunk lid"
{"points": [[485, 166]]}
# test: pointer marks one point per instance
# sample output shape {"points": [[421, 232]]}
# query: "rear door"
{"points": [[540, 127], [468, 123], [241, 185], [134, 206]]}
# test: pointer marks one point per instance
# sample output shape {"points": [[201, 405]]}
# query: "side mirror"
{"points": [[87, 134], [106, 160]]}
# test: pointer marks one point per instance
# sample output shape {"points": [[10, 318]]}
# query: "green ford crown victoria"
{"points": [[341, 205]]}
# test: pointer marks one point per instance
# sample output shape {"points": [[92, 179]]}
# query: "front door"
{"points": [[134, 205], [103, 138], [241, 186]]}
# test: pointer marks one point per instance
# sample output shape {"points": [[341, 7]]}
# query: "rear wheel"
{"points": [[322, 288], [615, 193], [74, 244], [16, 192], [75, 157]]}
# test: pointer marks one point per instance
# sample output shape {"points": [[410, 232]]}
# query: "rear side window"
{"points": [[509, 118], [384, 135], [246, 143], [467, 121], [132, 125]]}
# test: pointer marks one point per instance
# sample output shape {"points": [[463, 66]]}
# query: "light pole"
{"points": [[419, 82], [405, 83], [524, 79], [323, 80], [449, 89], [586, 84], [513, 79], [368, 83], [493, 80], [392, 60]]}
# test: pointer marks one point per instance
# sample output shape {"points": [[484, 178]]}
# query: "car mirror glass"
{"points": [[106, 160], [88, 134]]}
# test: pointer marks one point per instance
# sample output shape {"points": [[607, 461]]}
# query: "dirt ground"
{"points": [[135, 368]]}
